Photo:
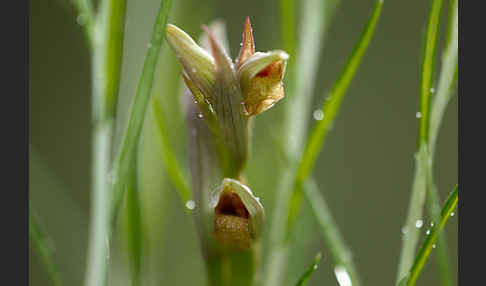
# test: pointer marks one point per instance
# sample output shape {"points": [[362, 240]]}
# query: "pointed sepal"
{"points": [[247, 44]]}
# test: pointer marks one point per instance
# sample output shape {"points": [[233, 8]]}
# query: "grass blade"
{"points": [[86, 18], [422, 177], [107, 46], [428, 68], [174, 171], [319, 132], [447, 80], [335, 243], [305, 277], [126, 160], [127, 154], [43, 245], [431, 238], [317, 16], [332, 104]]}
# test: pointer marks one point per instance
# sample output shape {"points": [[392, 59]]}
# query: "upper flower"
{"points": [[258, 75]]}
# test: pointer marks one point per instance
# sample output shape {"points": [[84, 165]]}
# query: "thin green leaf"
{"points": [[305, 277], [86, 18], [43, 246], [422, 177], [315, 18], [447, 79], [428, 68], [431, 238], [125, 156], [125, 162], [333, 101], [176, 175], [445, 91], [106, 34], [340, 252]]}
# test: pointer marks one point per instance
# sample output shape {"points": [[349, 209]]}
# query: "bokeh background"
{"points": [[365, 170]]}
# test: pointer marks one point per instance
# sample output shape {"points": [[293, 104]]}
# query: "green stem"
{"points": [[301, 70], [447, 80], [174, 171], [431, 238], [106, 35], [423, 163], [127, 153], [340, 252]]}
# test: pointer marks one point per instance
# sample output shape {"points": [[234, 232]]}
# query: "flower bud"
{"points": [[197, 63], [238, 215], [261, 80]]}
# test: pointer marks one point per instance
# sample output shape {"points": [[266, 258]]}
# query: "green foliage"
{"points": [[307, 274]]}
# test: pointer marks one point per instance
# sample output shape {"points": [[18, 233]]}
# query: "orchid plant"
{"points": [[224, 96]]}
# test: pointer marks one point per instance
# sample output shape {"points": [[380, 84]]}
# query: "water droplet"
{"points": [[452, 213], [190, 204], [315, 266], [404, 229], [318, 114], [81, 19], [418, 114], [199, 115], [432, 224], [433, 246], [241, 44], [342, 276], [432, 90], [419, 223], [427, 232]]}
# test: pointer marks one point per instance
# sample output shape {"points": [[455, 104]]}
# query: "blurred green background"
{"points": [[365, 170]]}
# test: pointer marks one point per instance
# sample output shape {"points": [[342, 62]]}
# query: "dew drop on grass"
{"points": [[427, 232], [318, 114], [431, 224], [315, 266], [81, 19], [419, 223], [433, 245], [342, 276], [432, 90], [190, 204], [418, 114], [199, 115], [405, 229], [452, 213]]}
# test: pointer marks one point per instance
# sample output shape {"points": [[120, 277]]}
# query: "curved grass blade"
{"points": [[174, 171], [445, 90], [423, 163], [431, 238], [305, 277], [125, 162], [340, 252], [428, 68], [127, 153], [43, 245], [333, 102]]}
